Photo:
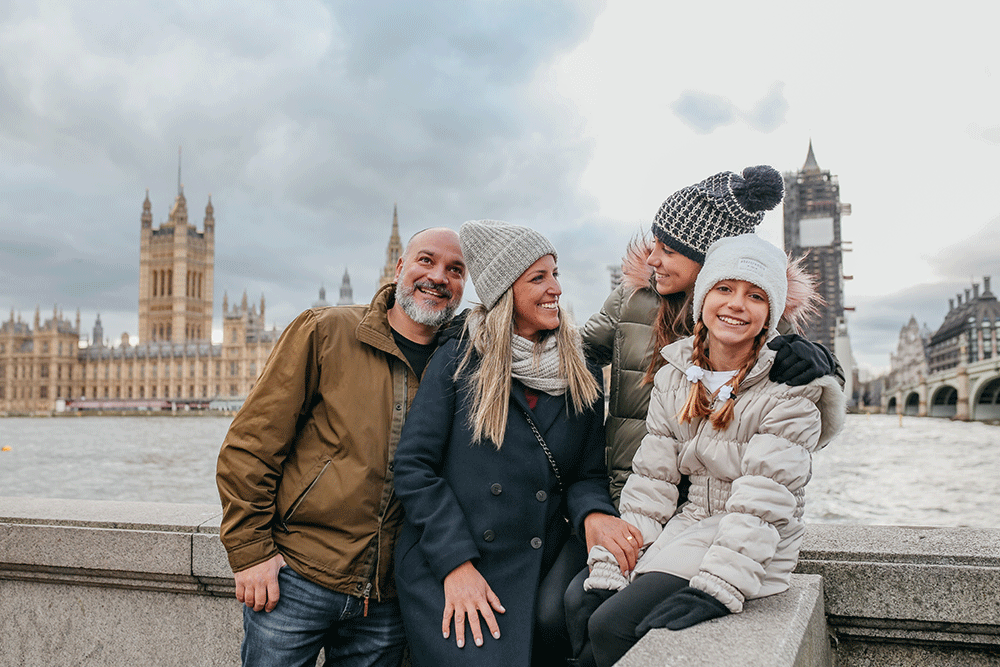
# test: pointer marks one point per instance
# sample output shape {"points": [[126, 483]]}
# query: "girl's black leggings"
{"points": [[610, 630]]}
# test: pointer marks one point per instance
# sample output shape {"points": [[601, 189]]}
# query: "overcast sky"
{"points": [[307, 121]]}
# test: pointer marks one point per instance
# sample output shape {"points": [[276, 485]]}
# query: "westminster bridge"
{"points": [[967, 391]]}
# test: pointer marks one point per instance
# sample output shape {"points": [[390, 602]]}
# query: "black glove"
{"points": [[799, 361], [685, 608]]}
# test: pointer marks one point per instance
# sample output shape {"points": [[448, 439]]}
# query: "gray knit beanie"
{"points": [[497, 253], [726, 204], [750, 258]]}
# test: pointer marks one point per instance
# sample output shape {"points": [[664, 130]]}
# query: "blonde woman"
{"points": [[501, 458]]}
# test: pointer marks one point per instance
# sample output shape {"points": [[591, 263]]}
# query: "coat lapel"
{"points": [[546, 410]]}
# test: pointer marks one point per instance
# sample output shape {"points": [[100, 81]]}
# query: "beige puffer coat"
{"points": [[621, 334], [739, 534]]}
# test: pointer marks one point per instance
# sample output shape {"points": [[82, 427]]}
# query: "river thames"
{"points": [[921, 471]]}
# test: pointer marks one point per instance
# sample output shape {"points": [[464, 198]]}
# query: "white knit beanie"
{"points": [[746, 257], [497, 253]]}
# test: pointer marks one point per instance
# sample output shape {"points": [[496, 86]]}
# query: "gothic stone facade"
{"points": [[43, 367]]}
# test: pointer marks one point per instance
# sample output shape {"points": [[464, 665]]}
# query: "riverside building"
{"points": [[44, 367]]}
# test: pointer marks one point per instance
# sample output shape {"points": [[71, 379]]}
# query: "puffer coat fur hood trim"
{"points": [[802, 303]]}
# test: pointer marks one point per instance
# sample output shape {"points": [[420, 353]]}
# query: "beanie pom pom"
{"points": [[759, 189]]}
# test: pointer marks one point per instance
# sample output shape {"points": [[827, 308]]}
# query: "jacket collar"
{"points": [[374, 329], [678, 355]]}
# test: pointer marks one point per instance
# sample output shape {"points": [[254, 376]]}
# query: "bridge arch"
{"points": [[912, 405], [890, 406], [987, 403], [944, 402]]}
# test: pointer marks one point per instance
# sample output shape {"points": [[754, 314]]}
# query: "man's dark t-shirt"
{"points": [[415, 353]]}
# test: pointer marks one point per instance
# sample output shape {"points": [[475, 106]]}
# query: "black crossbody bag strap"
{"points": [[545, 448]]}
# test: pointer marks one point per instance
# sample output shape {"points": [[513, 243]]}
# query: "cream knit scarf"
{"points": [[539, 372], [541, 375]]}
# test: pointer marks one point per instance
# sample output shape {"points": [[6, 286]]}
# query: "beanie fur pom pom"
{"points": [[760, 188]]}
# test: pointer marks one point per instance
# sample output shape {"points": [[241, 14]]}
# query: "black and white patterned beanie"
{"points": [[497, 253], [726, 204]]}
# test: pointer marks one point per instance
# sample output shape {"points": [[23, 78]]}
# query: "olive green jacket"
{"points": [[306, 467], [621, 334]]}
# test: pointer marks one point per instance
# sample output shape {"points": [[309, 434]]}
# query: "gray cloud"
{"points": [[768, 114], [706, 112], [973, 257], [306, 122], [703, 112]]}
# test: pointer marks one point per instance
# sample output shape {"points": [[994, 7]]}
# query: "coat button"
{"points": [[496, 489], [541, 496], [536, 543], [399, 406], [489, 536]]}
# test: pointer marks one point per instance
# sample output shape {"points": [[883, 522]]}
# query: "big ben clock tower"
{"points": [[812, 211]]}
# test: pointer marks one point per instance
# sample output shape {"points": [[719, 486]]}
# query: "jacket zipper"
{"points": [[385, 510], [295, 507]]}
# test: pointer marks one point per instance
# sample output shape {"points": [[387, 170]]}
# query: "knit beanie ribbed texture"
{"points": [[747, 257], [497, 253], [725, 204]]}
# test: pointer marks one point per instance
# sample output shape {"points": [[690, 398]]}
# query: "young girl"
{"points": [[744, 441]]}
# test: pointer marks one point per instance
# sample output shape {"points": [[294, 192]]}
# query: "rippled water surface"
{"points": [[922, 471]]}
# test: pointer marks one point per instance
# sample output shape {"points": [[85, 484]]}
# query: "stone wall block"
{"points": [[82, 548], [784, 630]]}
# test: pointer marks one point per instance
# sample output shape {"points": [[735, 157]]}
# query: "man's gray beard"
{"points": [[420, 314]]}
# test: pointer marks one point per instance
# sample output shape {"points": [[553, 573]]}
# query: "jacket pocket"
{"points": [[287, 517]]}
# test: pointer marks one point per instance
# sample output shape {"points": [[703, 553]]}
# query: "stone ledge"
{"points": [[912, 595], [158, 547], [784, 630], [893, 595]]}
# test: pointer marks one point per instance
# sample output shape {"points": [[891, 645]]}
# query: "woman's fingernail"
{"points": [[496, 635], [479, 641], [461, 643]]}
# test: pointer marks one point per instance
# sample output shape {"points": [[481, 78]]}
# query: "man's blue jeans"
{"points": [[309, 617]]}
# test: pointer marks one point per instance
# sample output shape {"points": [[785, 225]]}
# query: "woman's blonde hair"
{"points": [[491, 379], [699, 401]]}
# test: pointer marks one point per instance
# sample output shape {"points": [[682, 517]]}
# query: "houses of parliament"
{"points": [[45, 368]]}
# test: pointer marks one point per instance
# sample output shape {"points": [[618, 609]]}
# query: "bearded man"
{"points": [[310, 517]]}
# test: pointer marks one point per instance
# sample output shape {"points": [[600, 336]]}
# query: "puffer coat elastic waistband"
{"points": [[708, 496]]}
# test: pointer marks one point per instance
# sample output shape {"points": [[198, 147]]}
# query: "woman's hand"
{"points": [[467, 596], [619, 537]]}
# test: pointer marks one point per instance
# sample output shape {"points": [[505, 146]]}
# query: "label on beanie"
{"points": [[751, 265]]}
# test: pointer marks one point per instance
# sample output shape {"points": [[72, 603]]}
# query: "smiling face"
{"points": [[430, 278], [674, 272], [536, 299], [734, 312]]}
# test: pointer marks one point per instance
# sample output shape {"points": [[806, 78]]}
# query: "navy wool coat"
{"points": [[500, 509]]}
